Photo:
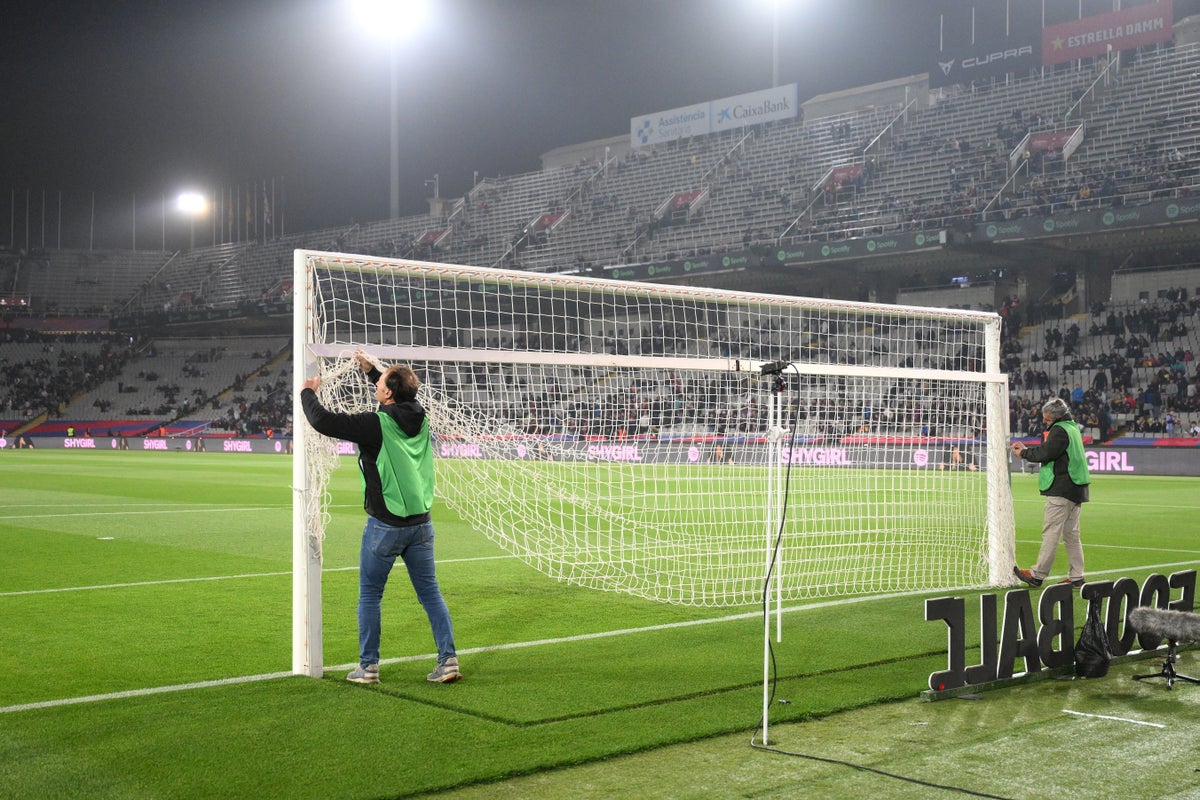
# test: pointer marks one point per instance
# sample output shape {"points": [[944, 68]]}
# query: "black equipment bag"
{"points": [[1092, 655]]}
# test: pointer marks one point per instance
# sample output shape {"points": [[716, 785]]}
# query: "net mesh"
{"points": [[321, 453], [611, 435]]}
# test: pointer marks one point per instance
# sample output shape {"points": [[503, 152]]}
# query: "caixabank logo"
{"points": [[739, 112]]}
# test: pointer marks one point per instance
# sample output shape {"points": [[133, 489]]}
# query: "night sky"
{"points": [[140, 99]]}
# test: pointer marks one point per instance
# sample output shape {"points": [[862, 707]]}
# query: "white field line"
{"points": [[7, 506], [1113, 719], [1099, 506], [208, 578], [68, 701], [168, 581], [183, 687], [203, 510], [147, 508], [1101, 546]]}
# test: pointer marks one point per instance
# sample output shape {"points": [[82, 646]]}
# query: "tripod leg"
{"points": [[1165, 672], [1168, 668]]}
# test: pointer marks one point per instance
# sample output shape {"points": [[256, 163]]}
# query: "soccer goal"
{"points": [[625, 436]]}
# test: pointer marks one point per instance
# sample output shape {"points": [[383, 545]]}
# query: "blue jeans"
{"points": [[381, 544]]}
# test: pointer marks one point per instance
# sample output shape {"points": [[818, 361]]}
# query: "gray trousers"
{"points": [[1060, 524]]}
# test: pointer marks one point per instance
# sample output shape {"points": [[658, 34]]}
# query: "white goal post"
{"points": [[623, 436]]}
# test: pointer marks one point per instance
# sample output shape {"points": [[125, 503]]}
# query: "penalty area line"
{"points": [[145, 512], [1114, 719], [208, 578], [95, 698], [141, 509]]}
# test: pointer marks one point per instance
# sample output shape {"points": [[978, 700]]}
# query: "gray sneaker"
{"points": [[367, 674], [446, 672]]}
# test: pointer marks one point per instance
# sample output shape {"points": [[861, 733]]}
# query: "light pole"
{"points": [[775, 43], [192, 205], [395, 162], [776, 8], [395, 20]]}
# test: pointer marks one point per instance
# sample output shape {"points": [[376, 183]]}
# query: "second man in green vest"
{"points": [[1063, 481]]}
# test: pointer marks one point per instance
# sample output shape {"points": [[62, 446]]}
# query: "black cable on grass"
{"points": [[766, 610]]}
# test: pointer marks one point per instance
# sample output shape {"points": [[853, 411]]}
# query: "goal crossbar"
{"points": [[442, 354]]}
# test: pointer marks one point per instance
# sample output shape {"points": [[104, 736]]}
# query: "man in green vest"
{"points": [[1063, 480], [396, 460]]}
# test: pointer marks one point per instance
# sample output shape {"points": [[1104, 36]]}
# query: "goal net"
{"points": [[624, 437]]}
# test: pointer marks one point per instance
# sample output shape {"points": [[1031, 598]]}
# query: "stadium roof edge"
{"points": [[841, 94]]}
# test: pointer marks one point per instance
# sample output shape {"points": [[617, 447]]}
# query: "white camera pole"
{"points": [[773, 549]]}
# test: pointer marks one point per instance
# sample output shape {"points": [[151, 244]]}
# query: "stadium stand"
{"points": [[958, 155], [85, 282]]}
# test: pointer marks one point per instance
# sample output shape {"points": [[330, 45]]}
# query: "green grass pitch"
{"points": [[145, 637]]}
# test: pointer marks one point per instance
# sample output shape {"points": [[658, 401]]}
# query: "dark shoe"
{"points": [[1076, 582], [446, 672], [365, 674], [1027, 576]]}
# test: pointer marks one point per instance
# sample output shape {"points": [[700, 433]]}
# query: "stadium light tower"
{"points": [[776, 5], [395, 21], [192, 205], [775, 43]]}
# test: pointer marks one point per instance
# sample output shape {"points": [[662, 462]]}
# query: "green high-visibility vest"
{"points": [[1076, 463], [405, 465]]}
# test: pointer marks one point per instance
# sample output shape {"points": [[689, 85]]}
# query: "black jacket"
{"points": [[364, 431], [1054, 449]]}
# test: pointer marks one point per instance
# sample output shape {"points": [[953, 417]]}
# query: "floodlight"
{"points": [[392, 19], [192, 203]]}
